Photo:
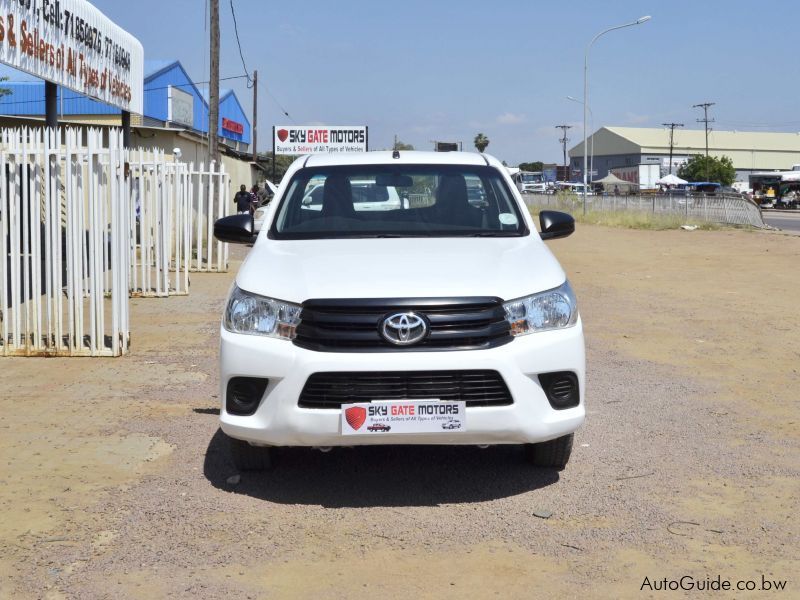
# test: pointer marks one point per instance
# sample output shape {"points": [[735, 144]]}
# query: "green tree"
{"points": [[536, 165], [282, 164], [700, 168], [398, 145], [481, 141]]}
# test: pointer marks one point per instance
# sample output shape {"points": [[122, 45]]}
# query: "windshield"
{"points": [[531, 178], [397, 201]]}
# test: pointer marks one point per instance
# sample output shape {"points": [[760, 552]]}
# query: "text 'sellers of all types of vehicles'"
{"points": [[387, 279]]}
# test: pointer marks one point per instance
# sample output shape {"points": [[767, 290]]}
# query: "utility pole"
{"points": [[564, 141], [255, 116], [672, 127], [213, 85], [706, 121]]}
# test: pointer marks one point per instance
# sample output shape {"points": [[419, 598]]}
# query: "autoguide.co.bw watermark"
{"points": [[717, 584]]}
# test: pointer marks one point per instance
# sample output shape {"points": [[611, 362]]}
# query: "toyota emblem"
{"points": [[404, 329]]}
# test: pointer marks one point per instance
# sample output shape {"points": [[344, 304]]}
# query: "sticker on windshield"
{"points": [[508, 218]]}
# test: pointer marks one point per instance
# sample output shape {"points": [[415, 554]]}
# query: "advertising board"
{"points": [[180, 107], [319, 139], [74, 45]]}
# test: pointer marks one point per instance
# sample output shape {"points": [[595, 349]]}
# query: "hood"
{"points": [[299, 270]]}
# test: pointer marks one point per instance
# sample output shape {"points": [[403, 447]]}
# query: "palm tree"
{"points": [[481, 141]]}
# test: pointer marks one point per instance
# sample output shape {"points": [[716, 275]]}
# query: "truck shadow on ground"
{"points": [[381, 475]]}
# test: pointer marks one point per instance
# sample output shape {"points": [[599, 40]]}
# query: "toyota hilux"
{"points": [[440, 310]]}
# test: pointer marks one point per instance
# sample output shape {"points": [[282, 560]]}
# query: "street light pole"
{"points": [[638, 21]]}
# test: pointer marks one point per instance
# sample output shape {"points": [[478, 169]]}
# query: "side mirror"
{"points": [[555, 224], [236, 229]]}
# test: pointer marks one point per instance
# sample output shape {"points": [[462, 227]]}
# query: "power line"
{"points": [[250, 81], [239, 44], [283, 110]]}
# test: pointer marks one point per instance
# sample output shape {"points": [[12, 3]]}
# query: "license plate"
{"points": [[383, 417]]}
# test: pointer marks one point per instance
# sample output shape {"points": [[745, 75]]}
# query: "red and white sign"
{"points": [[320, 139], [232, 126], [403, 416]]}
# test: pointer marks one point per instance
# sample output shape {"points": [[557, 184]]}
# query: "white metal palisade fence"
{"points": [[63, 263], [173, 207], [711, 208], [84, 224], [210, 189]]}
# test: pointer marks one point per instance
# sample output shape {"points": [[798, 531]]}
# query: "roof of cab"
{"points": [[414, 157]]}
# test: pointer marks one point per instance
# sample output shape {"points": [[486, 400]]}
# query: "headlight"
{"points": [[553, 309], [257, 315]]}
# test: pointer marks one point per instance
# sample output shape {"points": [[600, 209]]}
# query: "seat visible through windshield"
{"points": [[397, 201]]}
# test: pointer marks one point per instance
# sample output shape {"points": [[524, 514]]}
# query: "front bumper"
{"points": [[279, 421]]}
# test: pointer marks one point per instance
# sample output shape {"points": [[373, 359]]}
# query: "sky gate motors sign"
{"points": [[74, 45], [315, 139]]}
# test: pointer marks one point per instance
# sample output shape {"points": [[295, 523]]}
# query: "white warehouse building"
{"points": [[618, 147]]}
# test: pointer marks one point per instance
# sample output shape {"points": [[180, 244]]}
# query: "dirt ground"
{"points": [[114, 478]]}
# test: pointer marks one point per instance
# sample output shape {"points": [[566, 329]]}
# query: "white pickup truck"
{"points": [[441, 319]]}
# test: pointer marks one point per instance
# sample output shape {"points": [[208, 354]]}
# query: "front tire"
{"points": [[553, 454], [249, 458]]}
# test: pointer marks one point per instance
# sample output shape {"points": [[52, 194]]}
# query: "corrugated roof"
{"points": [[153, 66], [655, 139], [27, 98]]}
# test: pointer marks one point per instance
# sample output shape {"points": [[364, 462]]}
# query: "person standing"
{"points": [[255, 198], [242, 200]]}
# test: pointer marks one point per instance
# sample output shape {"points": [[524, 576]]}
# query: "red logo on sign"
{"points": [[355, 416], [282, 134]]}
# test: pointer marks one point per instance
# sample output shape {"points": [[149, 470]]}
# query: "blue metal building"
{"points": [[171, 99]]}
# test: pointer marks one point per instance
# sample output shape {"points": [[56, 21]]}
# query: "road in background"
{"points": [[787, 221]]}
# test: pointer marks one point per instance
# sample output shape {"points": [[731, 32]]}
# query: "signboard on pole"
{"points": [[320, 139], [74, 45], [180, 106]]}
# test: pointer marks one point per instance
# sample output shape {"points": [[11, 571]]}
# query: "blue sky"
{"points": [[445, 70]]}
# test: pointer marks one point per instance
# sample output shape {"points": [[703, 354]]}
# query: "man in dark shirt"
{"points": [[242, 200]]}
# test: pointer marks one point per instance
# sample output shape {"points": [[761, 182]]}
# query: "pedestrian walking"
{"points": [[242, 200]]}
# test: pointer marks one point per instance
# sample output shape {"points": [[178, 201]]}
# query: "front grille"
{"points": [[343, 325], [476, 388]]}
